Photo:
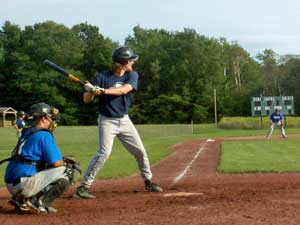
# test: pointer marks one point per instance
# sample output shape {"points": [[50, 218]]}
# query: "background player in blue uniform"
{"points": [[114, 102], [20, 123], [276, 119], [36, 173]]}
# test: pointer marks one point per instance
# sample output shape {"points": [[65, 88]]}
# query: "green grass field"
{"points": [[281, 155], [82, 142]]}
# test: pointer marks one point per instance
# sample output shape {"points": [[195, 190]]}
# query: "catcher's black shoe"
{"points": [[47, 209], [152, 187], [19, 202], [37, 206], [83, 192], [19, 205]]}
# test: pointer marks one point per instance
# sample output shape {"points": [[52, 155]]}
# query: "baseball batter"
{"points": [[113, 88], [276, 119]]}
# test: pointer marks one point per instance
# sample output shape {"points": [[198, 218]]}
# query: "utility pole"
{"points": [[215, 103], [261, 106]]}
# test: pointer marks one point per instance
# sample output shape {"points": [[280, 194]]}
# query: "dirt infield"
{"points": [[194, 194]]}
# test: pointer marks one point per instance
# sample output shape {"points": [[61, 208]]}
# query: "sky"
{"points": [[255, 24]]}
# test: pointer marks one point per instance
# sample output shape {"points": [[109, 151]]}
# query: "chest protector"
{"points": [[16, 152]]}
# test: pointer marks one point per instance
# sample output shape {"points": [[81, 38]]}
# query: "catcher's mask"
{"points": [[42, 109], [123, 54]]}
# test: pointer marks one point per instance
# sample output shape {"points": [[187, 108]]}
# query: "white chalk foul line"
{"points": [[191, 163]]}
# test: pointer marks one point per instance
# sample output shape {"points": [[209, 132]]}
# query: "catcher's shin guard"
{"points": [[53, 191]]}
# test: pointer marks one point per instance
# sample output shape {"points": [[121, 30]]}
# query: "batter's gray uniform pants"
{"points": [[272, 129], [30, 186], [124, 129]]}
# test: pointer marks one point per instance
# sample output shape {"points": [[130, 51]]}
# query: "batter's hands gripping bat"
{"points": [[63, 71]]}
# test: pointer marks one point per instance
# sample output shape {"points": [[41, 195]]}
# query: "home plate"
{"points": [[181, 194], [210, 140]]}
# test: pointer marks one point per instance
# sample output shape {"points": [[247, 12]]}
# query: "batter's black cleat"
{"points": [[152, 187], [83, 192]]}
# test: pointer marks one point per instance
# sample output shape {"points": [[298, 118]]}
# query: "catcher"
{"points": [[37, 173], [276, 119]]}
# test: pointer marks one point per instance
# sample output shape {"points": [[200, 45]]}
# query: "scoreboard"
{"points": [[265, 105]]}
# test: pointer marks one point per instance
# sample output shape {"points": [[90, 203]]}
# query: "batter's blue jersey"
{"points": [[39, 146], [110, 105]]}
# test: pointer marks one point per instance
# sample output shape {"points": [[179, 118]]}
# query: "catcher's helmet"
{"points": [[123, 54], [38, 110]]}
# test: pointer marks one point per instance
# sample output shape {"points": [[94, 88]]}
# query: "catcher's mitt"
{"points": [[73, 169]]}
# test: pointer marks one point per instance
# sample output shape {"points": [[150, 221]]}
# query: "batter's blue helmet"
{"points": [[123, 54]]}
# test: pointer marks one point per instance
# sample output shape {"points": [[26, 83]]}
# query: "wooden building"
{"points": [[7, 116]]}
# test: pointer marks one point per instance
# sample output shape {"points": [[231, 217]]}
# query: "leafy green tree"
{"points": [[59, 44], [243, 80], [173, 109], [96, 50], [290, 76], [270, 71], [10, 37], [178, 72]]}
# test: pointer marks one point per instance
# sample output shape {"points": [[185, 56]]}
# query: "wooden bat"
{"points": [[61, 70]]}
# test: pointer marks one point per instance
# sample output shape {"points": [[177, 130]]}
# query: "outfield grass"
{"points": [[82, 142], [281, 155]]}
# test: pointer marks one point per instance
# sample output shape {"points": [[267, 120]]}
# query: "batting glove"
{"points": [[93, 89], [98, 90]]}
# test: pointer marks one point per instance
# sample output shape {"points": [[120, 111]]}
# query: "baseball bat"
{"points": [[61, 70]]}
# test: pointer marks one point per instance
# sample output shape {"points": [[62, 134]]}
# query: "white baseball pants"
{"points": [[30, 186], [272, 129], [124, 129]]}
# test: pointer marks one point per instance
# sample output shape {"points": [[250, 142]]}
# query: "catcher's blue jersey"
{"points": [[39, 146]]}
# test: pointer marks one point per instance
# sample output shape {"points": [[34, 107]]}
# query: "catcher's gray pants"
{"points": [[280, 126], [30, 186], [124, 129]]}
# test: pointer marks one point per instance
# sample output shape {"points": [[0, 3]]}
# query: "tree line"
{"points": [[178, 72]]}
